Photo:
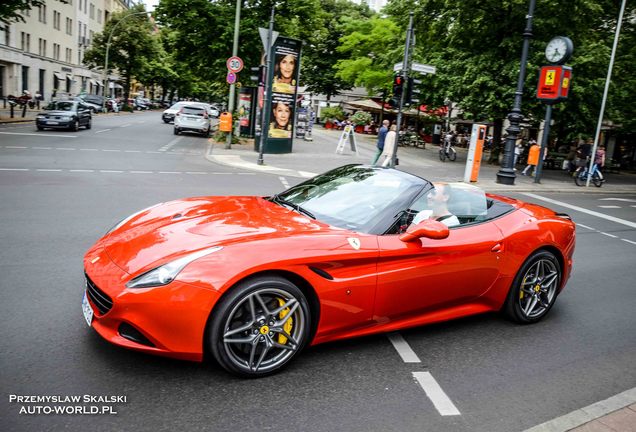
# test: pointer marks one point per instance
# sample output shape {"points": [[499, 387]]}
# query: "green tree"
{"points": [[133, 45], [11, 10]]}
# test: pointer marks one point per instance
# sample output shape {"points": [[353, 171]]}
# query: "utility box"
{"points": [[473, 161]]}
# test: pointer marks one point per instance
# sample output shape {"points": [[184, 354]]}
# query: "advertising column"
{"points": [[284, 87]]}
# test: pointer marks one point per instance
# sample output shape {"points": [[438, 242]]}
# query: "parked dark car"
{"points": [[69, 114]]}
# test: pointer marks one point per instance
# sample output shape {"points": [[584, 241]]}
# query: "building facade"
{"points": [[44, 54]]}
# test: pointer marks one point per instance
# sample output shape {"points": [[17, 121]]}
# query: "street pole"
{"points": [[230, 105], [406, 66], [544, 142], [506, 175], [268, 92], [105, 74], [607, 83]]}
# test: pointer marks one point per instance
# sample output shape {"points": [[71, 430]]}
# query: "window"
{"points": [[69, 26], [22, 41], [26, 12], [92, 12], [69, 55], [28, 42], [56, 51], [57, 17], [41, 83], [5, 30], [42, 47], [42, 14], [99, 16], [25, 78]]}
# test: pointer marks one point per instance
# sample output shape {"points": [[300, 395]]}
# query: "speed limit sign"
{"points": [[234, 64]]}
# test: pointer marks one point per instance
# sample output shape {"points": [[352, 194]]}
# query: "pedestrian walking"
{"points": [[518, 151], [533, 159], [389, 145], [599, 158], [381, 140]]}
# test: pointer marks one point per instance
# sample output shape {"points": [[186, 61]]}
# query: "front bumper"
{"points": [[170, 319]]}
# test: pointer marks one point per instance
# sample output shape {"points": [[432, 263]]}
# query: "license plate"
{"points": [[88, 310], [52, 122]]}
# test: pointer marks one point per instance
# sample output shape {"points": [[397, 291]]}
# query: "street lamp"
{"points": [[506, 175], [105, 74], [449, 105]]}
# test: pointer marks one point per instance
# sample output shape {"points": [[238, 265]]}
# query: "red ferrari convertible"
{"points": [[354, 251]]}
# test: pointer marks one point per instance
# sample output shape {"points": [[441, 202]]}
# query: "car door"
{"points": [[427, 275]]}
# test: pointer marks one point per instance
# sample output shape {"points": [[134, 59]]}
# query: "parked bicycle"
{"points": [[582, 173], [447, 150]]}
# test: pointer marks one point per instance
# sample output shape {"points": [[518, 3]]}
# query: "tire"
{"points": [[75, 126], [442, 155], [176, 131], [166, 121], [89, 124], [452, 154], [259, 326], [40, 128], [580, 178], [597, 180], [534, 289]]}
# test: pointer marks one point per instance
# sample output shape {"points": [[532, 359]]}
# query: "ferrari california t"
{"points": [[357, 250]]}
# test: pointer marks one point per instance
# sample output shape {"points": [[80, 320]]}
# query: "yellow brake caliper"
{"points": [[288, 324], [523, 283]]}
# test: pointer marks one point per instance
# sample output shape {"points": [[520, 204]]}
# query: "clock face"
{"points": [[558, 50]]}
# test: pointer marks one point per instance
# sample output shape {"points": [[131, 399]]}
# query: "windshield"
{"points": [[193, 111], [354, 197], [177, 106], [60, 106]]}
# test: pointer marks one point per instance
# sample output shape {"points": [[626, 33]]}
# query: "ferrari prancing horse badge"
{"points": [[354, 242]]}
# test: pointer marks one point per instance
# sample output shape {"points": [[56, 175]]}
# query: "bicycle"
{"points": [[582, 173], [447, 151]]}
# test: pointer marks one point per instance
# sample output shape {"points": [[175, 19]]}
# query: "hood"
{"points": [[58, 113], [165, 232]]}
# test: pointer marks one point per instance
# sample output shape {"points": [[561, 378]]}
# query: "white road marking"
{"points": [[170, 144], [38, 134], [629, 241], [14, 169], [170, 172], [403, 348], [609, 206], [103, 130], [125, 125], [607, 234], [583, 210], [42, 148], [283, 180], [89, 149], [141, 172], [435, 393], [15, 147], [111, 150], [585, 226], [195, 172], [111, 171], [81, 170], [48, 170], [65, 148], [132, 151], [617, 199]]}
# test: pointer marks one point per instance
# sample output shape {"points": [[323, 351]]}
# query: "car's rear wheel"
{"points": [[260, 326], [534, 288], [75, 125], [89, 123], [40, 128], [176, 131]]}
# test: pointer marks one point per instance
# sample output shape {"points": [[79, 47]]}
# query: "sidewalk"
{"points": [[313, 157], [5, 115]]}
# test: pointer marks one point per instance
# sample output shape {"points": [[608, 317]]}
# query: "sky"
{"points": [[151, 4]]}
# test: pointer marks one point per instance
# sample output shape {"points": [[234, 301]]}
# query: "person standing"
{"points": [[533, 159], [518, 151], [381, 139]]}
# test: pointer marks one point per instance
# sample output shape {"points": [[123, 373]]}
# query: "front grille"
{"points": [[99, 298]]}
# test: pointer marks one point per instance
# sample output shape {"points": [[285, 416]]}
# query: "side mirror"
{"points": [[427, 228]]}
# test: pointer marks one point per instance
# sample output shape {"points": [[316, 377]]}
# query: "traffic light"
{"points": [[398, 85]]}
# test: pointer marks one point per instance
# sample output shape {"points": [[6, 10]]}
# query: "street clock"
{"points": [[559, 50]]}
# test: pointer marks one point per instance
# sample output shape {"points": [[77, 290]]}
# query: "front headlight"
{"points": [[166, 273], [65, 118], [40, 117]]}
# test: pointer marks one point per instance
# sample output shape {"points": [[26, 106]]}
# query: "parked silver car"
{"points": [[193, 118]]}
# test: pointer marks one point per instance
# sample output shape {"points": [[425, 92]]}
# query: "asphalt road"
{"points": [[61, 191]]}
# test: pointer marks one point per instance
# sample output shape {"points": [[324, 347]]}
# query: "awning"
{"points": [[59, 76], [92, 81], [365, 104], [69, 76], [114, 85]]}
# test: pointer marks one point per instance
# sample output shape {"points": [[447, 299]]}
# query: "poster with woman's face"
{"points": [[285, 72], [282, 116]]}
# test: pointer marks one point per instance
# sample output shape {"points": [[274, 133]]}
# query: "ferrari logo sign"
{"points": [[549, 77], [554, 83], [354, 242]]}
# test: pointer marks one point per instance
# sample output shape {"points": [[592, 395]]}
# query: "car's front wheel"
{"points": [[534, 288], [89, 123], [259, 326], [75, 126], [176, 131]]}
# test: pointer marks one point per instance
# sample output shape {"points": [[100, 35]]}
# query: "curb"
{"points": [[588, 413]]}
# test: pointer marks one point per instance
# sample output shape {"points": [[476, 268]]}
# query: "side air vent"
{"points": [[321, 273]]}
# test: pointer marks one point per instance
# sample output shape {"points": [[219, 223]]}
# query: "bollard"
{"points": [[11, 108], [24, 108]]}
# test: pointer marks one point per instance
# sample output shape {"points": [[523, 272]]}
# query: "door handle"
{"points": [[497, 248]]}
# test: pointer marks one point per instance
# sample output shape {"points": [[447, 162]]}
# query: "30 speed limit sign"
{"points": [[234, 64]]}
